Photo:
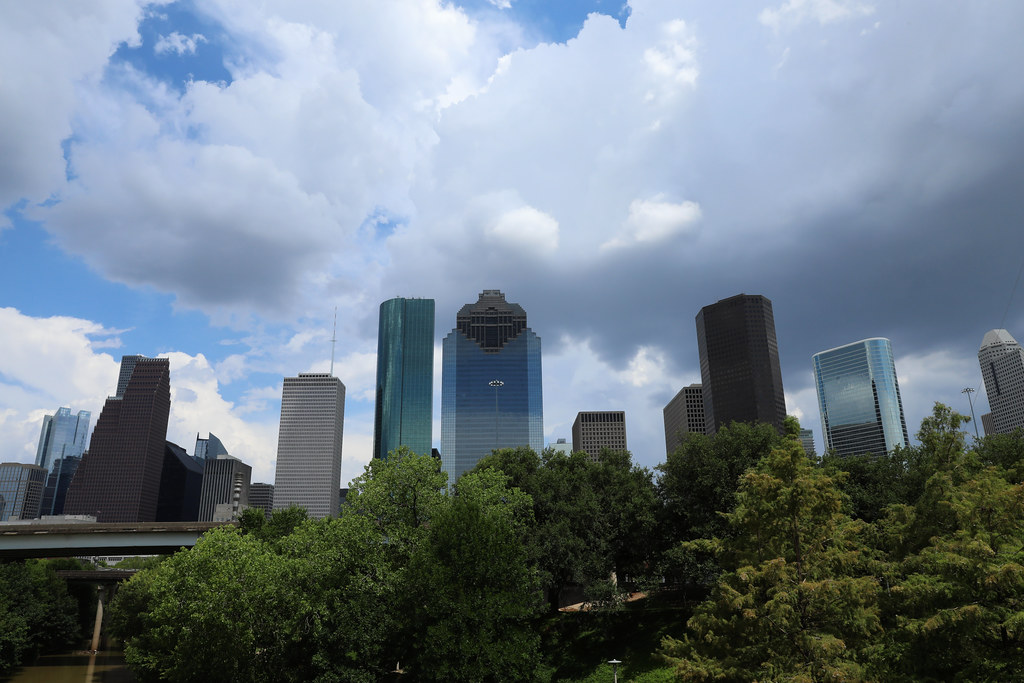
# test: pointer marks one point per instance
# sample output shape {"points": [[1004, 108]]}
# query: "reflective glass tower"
{"points": [[859, 398], [490, 384], [404, 411], [1002, 366], [63, 436]]}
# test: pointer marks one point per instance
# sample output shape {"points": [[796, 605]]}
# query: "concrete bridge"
{"points": [[22, 541]]}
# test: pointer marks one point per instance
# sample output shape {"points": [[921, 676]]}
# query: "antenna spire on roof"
{"points": [[334, 338]]}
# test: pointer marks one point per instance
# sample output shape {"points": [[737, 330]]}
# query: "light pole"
{"points": [[496, 383], [969, 391], [615, 668]]}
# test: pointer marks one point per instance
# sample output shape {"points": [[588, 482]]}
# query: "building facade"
{"points": [[859, 398], [597, 429], [683, 414], [261, 497], [57, 483], [807, 441], [1002, 366], [491, 395], [741, 378], [210, 447], [63, 436], [561, 446], [118, 479], [181, 480], [404, 409], [225, 480], [21, 490], [309, 440]]}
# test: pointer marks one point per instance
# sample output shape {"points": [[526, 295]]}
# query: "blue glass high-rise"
{"points": [[859, 398], [404, 412], [491, 394], [63, 436]]}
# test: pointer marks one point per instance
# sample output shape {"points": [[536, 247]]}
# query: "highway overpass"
{"points": [[22, 541]]}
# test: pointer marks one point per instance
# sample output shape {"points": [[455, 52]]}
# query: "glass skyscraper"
{"points": [[63, 436], [491, 393], [859, 398], [404, 412]]}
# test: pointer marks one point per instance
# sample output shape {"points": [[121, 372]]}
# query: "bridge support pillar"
{"points": [[98, 624]]}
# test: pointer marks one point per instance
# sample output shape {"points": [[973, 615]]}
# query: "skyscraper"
{"points": [[261, 496], [118, 479], [225, 480], [597, 429], [181, 480], [405, 377], [1002, 365], [859, 398], [807, 441], [57, 483], [309, 444], [21, 490], [741, 378], [210, 447], [62, 435], [683, 414], [491, 393]]}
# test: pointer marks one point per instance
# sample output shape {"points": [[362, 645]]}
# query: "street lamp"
{"points": [[496, 383], [969, 391], [615, 668]]}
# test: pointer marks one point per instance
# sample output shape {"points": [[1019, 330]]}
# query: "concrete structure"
{"points": [[561, 446], [309, 444], [225, 482], [1002, 365], [987, 424], [404, 412], [597, 429], [261, 497], [63, 436], [683, 414], [741, 378], [859, 398], [21, 490], [21, 541], [118, 479], [181, 480], [491, 395], [807, 441]]}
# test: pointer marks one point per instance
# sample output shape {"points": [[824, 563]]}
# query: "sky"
{"points": [[209, 181]]}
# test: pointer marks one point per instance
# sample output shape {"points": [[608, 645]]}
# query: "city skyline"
{"points": [[208, 185]]}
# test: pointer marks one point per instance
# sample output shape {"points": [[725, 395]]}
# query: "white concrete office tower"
{"points": [[859, 398], [1002, 366], [63, 436], [309, 444]]}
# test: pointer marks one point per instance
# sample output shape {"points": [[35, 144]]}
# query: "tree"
{"points": [[37, 615], [797, 600]]}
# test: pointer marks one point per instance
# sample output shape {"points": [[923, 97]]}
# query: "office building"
{"points": [[859, 398], [118, 479], [491, 394], [683, 414], [210, 447], [597, 429], [404, 411], [181, 480], [987, 424], [1002, 366], [57, 483], [63, 435], [561, 446], [309, 444], [807, 441], [741, 378], [21, 490], [261, 497], [226, 481]]}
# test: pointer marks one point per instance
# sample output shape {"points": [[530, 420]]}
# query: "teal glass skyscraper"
{"points": [[491, 393], [404, 412], [859, 398]]}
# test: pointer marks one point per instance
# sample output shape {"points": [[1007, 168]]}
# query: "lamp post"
{"points": [[969, 391], [496, 383], [615, 668]]}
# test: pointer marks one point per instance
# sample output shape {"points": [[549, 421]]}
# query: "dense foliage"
{"points": [[37, 613]]}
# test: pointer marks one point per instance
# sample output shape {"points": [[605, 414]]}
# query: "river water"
{"points": [[104, 666]]}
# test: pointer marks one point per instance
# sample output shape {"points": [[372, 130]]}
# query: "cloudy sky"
{"points": [[209, 180]]}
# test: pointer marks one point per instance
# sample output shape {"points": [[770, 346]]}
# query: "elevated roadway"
{"points": [[22, 541]]}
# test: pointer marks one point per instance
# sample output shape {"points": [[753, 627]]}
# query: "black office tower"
{"points": [[739, 363]]}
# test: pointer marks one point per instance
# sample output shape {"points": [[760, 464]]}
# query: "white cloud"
{"points": [[526, 229], [654, 221], [178, 43], [794, 12]]}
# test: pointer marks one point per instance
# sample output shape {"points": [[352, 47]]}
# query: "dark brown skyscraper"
{"points": [[739, 363], [119, 477]]}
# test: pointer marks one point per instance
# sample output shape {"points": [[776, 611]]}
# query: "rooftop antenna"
{"points": [[334, 338]]}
